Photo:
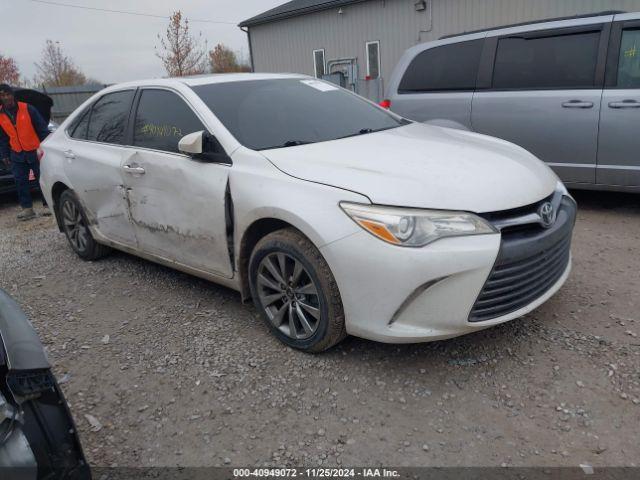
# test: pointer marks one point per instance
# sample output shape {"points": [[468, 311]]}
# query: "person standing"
{"points": [[22, 128]]}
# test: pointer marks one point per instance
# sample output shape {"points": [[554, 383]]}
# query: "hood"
{"points": [[424, 166]]}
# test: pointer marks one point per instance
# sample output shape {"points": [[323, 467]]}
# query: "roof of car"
{"points": [[206, 79]]}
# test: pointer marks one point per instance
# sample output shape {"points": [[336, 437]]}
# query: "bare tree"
{"points": [[180, 52], [56, 69], [224, 60], [9, 72]]}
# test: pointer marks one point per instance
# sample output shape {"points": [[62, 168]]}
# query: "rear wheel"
{"points": [[75, 227], [295, 291]]}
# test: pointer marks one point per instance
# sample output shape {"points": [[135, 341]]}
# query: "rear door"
{"points": [[619, 142], [177, 204], [438, 83], [93, 158], [544, 94]]}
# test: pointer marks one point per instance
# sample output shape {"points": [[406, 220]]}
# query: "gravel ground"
{"points": [[163, 369]]}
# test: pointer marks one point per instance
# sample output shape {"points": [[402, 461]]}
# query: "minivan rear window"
{"points": [[449, 67], [547, 62], [629, 64]]}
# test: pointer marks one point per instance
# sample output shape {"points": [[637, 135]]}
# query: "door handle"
{"points": [[69, 154], [133, 170], [625, 104], [577, 104]]}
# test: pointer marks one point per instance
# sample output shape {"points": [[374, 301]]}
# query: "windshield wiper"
{"points": [[365, 131], [288, 143]]}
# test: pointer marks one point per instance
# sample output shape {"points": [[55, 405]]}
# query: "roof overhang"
{"points": [[296, 9]]}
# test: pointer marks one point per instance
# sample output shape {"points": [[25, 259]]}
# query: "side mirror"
{"points": [[191, 144], [204, 147]]}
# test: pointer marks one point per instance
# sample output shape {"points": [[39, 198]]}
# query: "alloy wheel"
{"points": [[75, 226], [288, 295]]}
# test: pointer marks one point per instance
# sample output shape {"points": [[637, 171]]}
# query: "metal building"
{"points": [[358, 42], [67, 99]]}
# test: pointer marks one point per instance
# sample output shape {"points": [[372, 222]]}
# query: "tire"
{"points": [[310, 296], [75, 226]]}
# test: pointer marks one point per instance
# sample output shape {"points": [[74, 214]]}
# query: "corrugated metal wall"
{"points": [[67, 99], [287, 45]]}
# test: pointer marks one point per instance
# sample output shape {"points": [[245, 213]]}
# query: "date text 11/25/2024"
{"points": [[316, 472]]}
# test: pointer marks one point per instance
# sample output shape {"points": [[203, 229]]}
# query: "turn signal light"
{"points": [[378, 229], [385, 104]]}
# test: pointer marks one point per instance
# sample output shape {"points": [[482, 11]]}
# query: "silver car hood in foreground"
{"points": [[424, 166]]}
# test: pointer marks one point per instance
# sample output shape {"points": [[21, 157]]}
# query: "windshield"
{"points": [[266, 114]]}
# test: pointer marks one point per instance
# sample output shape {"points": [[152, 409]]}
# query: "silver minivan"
{"points": [[566, 90]]}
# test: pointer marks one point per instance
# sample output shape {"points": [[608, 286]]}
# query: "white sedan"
{"points": [[336, 216]]}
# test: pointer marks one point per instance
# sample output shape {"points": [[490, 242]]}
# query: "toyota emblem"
{"points": [[547, 214]]}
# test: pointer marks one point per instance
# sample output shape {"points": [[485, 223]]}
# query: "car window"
{"points": [[265, 114], [162, 119], [559, 61], [109, 116], [449, 67], [629, 63], [78, 128]]}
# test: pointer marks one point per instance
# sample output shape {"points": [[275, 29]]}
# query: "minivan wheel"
{"points": [[75, 227], [294, 289]]}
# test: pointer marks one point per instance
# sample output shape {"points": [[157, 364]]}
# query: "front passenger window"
{"points": [[629, 64], [162, 119]]}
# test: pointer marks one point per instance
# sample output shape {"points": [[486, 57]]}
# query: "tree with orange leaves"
{"points": [[224, 60], [9, 72]]}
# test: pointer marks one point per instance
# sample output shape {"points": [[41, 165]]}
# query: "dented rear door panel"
{"points": [[96, 171]]}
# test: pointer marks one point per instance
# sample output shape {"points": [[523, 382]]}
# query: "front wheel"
{"points": [[294, 289], [75, 227]]}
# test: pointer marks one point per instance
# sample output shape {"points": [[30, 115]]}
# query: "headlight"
{"points": [[409, 227]]}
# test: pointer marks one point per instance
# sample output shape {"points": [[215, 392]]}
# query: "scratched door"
{"points": [[176, 203], [93, 156]]}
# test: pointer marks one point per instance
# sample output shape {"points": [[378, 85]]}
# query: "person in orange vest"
{"points": [[22, 128]]}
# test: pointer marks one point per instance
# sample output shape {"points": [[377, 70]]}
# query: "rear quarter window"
{"points": [[444, 68], [78, 127], [629, 61]]}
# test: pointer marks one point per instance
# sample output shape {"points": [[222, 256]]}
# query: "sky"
{"points": [[112, 47]]}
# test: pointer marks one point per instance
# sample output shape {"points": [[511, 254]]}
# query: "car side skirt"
{"points": [[231, 283]]}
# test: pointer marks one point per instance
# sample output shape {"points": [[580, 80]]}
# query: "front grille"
{"points": [[528, 265]]}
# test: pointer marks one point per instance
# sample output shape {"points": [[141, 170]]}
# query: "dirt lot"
{"points": [[177, 371]]}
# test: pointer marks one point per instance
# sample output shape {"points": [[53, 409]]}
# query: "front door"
{"points": [[176, 204], [619, 142], [545, 96]]}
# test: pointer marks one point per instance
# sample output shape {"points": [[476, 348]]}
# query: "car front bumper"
{"points": [[404, 295]]}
